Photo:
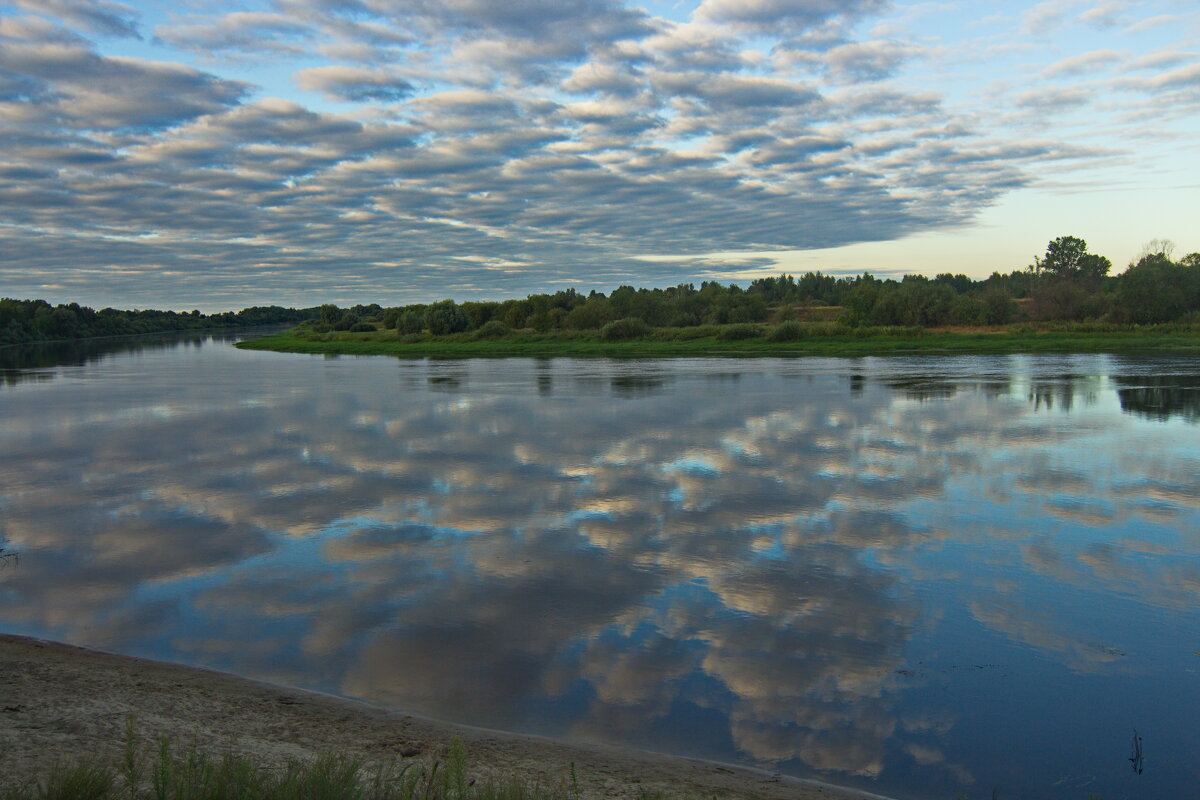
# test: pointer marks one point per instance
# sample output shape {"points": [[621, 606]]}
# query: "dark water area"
{"points": [[921, 576]]}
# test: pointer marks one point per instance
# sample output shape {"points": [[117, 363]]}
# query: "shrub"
{"points": [[347, 322], [828, 329], [628, 328], [410, 322], [730, 333], [690, 332], [362, 327], [789, 331], [492, 329]]}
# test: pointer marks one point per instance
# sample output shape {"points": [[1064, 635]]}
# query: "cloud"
{"points": [[730, 92], [532, 134], [252, 33], [690, 47], [1084, 63], [97, 16], [597, 20], [1150, 23], [1161, 59], [70, 85], [866, 61], [354, 84], [1047, 16], [609, 78], [1053, 100], [1183, 78], [1106, 13], [785, 15]]}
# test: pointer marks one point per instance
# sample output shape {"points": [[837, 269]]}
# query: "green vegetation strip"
{"points": [[194, 775], [817, 339]]}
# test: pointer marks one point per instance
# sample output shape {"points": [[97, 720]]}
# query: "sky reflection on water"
{"points": [[920, 575]]}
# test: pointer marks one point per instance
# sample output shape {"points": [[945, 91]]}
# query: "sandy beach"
{"points": [[59, 702]]}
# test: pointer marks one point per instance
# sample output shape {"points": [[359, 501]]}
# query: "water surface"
{"points": [[922, 576]]}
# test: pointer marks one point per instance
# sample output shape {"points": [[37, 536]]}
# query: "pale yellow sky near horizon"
{"points": [[1116, 223]]}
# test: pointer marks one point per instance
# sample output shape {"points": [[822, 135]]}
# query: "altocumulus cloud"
{"points": [[495, 148]]}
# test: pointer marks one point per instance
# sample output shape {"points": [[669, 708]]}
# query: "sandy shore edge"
{"points": [[59, 702]]}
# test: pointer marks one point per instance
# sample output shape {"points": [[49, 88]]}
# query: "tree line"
{"points": [[23, 321], [1067, 283]]}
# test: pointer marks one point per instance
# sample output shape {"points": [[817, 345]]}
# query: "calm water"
{"points": [[917, 575]]}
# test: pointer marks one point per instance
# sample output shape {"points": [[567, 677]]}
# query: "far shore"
{"points": [[818, 339], [62, 704]]}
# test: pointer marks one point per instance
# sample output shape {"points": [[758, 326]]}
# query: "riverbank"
{"points": [[741, 341], [63, 703]]}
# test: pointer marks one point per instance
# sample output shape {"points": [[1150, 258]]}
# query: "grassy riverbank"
{"points": [[745, 340]]}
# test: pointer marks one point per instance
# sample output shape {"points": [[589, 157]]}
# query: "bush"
{"points": [[828, 329], [362, 327], [322, 327], [410, 322], [493, 329], [347, 322], [628, 328], [730, 333], [689, 333], [790, 331]]}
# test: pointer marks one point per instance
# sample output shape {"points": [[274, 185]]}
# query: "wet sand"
{"points": [[59, 703]]}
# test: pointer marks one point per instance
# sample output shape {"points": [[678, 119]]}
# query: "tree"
{"points": [[860, 301], [445, 317], [1092, 270], [411, 321], [1062, 258], [1156, 247], [595, 313], [996, 307], [1067, 258], [1149, 291]]}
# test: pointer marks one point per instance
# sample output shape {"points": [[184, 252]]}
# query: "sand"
{"points": [[59, 702]]}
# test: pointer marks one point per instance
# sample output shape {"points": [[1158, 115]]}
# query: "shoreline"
{"points": [[662, 345], [61, 702], [108, 337]]}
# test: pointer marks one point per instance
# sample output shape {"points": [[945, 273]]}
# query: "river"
{"points": [[917, 575]]}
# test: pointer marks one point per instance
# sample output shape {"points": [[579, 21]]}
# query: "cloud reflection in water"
{"points": [[706, 558]]}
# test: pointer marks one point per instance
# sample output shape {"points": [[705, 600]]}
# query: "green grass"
{"points": [[193, 775], [820, 339]]}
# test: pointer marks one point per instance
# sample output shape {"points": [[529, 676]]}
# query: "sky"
{"points": [[216, 155]]}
